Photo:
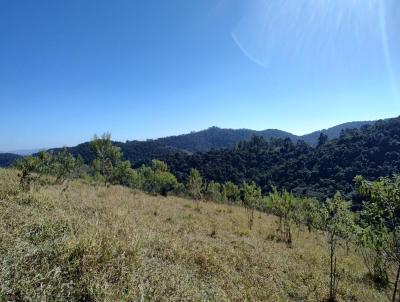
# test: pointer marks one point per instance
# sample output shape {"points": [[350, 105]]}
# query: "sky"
{"points": [[148, 69]]}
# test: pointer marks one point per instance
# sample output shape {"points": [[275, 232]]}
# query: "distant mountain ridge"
{"points": [[25, 152], [139, 152], [7, 159], [334, 132], [220, 138]]}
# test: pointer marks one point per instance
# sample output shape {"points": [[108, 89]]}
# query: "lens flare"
{"points": [[332, 33], [386, 49]]}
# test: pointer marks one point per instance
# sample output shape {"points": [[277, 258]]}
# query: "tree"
{"points": [[214, 192], [323, 138], [338, 222], [165, 182], [382, 214], [231, 192], [159, 166], [157, 179], [251, 197], [195, 184], [107, 156], [28, 166], [63, 165], [309, 211], [124, 175], [373, 242], [284, 206], [33, 168], [44, 163], [146, 179]]}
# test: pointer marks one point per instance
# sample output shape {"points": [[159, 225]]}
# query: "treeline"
{"points": [[374, 230], [109, 167], [321, 171]]}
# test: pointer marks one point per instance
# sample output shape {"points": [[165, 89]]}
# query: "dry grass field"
{"points": [[93, 243]]}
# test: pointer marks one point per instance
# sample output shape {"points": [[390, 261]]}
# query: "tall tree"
{"points": [[107, 156], [382, 212], [195, 184], [63, 165], [251, 197], [338, 222], [285, 206]]}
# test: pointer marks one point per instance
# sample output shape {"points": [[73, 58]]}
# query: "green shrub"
{"points": [[251, 197], [157, 179], [214, 192], [195, 185], [231, 192]]}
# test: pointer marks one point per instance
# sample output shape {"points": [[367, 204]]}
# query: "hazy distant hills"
{"points": [[24, 152], [7, 159], [201, 141], [217, 138], [333, 132]]}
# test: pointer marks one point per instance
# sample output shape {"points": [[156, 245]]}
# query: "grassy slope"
{"points": [[113, 244]]}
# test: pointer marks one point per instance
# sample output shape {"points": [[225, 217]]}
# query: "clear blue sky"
{"points": [[145, 69]]}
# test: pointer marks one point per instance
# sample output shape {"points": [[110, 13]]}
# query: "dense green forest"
{"points": [[372, 151], [214, 138], [217, 138], [6, 159], [139, 152], [292, 164]]}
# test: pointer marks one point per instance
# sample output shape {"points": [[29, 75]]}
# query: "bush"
{"points": [[157, 179], [251, 197], [124, 175], [28, 167], [231, 192], [214, 192], [195, 184]]}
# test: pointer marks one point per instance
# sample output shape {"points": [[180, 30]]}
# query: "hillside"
{"points": [[93, 243], [334, 132], [217, 138], [320, 171], [6, 159], [139, 152], [214, 138], [372, 151]]}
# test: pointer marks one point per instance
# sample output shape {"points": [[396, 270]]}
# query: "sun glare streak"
{"points": [[386, 50], [344, 33]]}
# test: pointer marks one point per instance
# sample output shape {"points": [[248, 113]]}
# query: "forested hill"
{"points": [[333, 132], [139, 152], [217, 138], [202, 141], [6, 159], [372, 151]]}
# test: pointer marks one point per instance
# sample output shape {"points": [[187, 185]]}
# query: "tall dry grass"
{"points": [[93, 243]]}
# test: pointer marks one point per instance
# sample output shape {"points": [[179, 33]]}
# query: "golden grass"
{"points": [[92, 243]]}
